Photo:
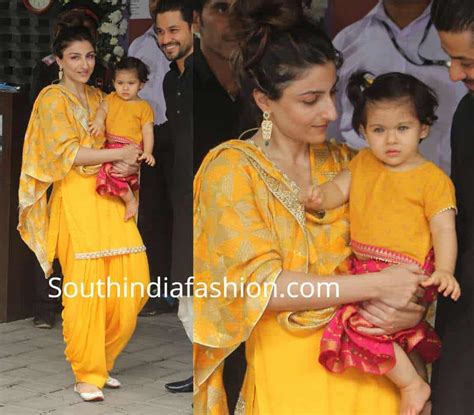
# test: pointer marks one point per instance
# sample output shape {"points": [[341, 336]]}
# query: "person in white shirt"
{"points": [[398, 36], [146, 49]]}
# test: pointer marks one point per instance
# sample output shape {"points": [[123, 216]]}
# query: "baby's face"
{"points": [[127, 85], [393, 133]]}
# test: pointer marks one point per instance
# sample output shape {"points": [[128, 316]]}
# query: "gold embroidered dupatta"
{"points": [[57, 128], [248, 227]]}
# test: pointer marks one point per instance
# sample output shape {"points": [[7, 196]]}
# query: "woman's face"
{"points": [[78, 61], [306, 107]]}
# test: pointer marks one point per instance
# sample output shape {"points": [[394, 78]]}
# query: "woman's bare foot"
{"points": [[414, 397], [131, 208]]}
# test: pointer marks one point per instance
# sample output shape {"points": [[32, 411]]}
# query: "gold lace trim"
{"points": [[240, 406], [288, 196], [445, 209], [110, 252]]}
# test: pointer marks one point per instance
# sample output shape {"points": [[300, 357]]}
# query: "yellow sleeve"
{"points": [[359, 159], [233, 244], [51, 141], [439, 193], [49, 150], [147, 114]]}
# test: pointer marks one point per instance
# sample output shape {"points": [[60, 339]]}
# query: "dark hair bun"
{"points": [[277, 43], [253, 22], [250, 16]]}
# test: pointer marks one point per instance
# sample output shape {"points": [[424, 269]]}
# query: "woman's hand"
{"points": [[131, 153], [399, 285], [388, 319], [122, 169], [396, 307]]}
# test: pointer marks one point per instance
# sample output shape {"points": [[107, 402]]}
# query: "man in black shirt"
{"points": [[216, 104], [453, 375], [174, 33], [217, 117]]}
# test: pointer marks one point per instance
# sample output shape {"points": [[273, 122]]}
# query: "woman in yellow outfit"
{"points": [[250, 227], [101, 256]]}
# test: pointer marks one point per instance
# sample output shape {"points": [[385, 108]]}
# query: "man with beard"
{"points": [[174, 19], [216, 118], [453, 375]]}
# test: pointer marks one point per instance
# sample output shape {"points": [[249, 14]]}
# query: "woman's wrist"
{"points": [[374, 284]]}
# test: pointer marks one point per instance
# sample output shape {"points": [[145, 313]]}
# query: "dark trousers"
{"points": [[42, 301], [235, 367], [155, 216]]}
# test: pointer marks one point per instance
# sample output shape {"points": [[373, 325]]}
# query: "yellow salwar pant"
{"points": [[284, 377], [98, 323], [97, 329]]}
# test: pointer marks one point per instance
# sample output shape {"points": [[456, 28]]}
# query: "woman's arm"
{"points": [[91, 156], [396, 286]]}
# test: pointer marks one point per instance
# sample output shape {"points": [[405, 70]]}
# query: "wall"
{"points": [[25, 38]]}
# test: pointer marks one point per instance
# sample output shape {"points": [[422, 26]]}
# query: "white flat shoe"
{"points": [[90, 396], [112, 383]]}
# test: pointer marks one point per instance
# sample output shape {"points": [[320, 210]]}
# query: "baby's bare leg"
{"points": [[413, 389], [131, 204], [420, 366]]}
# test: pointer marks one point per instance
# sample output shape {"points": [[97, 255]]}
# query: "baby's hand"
{"points": [[312, 199], [95, 128], [148, 158], [445, 282]]}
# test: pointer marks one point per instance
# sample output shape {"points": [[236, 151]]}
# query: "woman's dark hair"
{"points": [[74, 18], [79, 13], [186, 7], [453, 15], [364, 89], [277, 43], [132, 64], [68, 35]]}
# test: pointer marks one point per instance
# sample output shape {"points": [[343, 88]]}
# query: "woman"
{"points": [[85, 231], [73, 14], [250, 227]]}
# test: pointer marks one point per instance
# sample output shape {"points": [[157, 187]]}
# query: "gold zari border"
{"points": [[110, 252]]}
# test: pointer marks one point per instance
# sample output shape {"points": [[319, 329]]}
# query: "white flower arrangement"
{"points": [[111, 27]]}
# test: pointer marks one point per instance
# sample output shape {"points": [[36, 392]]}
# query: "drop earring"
{"points": [[60, 74], [267, 127]]}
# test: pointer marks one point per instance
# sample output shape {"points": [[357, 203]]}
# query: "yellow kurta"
{"points": [[248, 227], [391, 210], [85, 231], [127, 118]]}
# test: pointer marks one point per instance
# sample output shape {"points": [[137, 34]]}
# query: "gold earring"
{"points": [[267, 127], [60, 75]]}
